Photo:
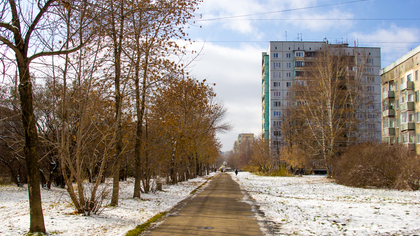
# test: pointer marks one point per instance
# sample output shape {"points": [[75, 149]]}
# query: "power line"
{"points": [[335, 19], [287, 10]]}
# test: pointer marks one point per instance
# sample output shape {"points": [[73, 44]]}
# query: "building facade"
{"points": [[400, 101], [285, 61], [243, 137]]}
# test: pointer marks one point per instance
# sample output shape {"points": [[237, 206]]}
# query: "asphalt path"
{"points": [[219, 209]]}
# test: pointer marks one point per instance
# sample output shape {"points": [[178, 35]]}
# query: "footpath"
{"points": [[216, 210]]}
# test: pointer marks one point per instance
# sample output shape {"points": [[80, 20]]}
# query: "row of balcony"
{"points": [[403, 127], [409, 85], [390, 112], [390, 140]]}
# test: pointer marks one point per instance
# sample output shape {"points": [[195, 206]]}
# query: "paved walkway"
{"points": [[218, 210]]}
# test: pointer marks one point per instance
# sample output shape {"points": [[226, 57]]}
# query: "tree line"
{"points": [[98, 89]]}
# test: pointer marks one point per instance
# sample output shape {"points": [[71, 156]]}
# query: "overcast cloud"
{"points": [[233, 43]]}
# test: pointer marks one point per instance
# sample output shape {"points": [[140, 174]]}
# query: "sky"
{"points": [[232, 34]]}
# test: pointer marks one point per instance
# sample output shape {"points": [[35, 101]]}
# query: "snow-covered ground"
{"points": [[60, 220], [315, 205], [309, 205]]}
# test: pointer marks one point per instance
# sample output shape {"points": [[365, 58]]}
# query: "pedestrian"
{"points": [[236, 171]]}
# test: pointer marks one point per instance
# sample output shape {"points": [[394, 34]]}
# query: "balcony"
{"points": [[388, 94], [409, 85], [388, 140], [407, 106], [411, 146], [407, 126], [388, 112], [388, 132]]}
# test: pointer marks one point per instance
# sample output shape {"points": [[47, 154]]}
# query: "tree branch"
{"points": [[9, 44], [36, 21], [9, 27]]}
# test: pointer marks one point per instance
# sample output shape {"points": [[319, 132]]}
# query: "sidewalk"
{"points": [[217, 210]]}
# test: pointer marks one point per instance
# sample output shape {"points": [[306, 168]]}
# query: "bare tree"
{"points": [[22, 32], [322, 119]]}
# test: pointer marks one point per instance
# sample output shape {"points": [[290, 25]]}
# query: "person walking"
{"points": [[236, 171]]}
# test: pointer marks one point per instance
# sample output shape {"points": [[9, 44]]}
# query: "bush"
{"points": [[379, 166], [283, 171]]}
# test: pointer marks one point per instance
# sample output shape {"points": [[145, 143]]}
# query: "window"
{"points": [[276, 55], [276, 104], [369, 70], [411, 118], [416, 75], [288, 84], [410, 97], [299, 54], [397, 104], [276, 84], [277, 133], [402, 80], [418, 138], [370, 79], [276, 74], [370, 88], [403, 117], [396, 86], [418, 117], [299, 73], [288, 55], [299, 63], [277, 113], [371, 116], [276, 94], [371, 107], [288, 95], [289, 74], [417, 96], [276, 64], [277, 123], [408, 77], [289, 65]]}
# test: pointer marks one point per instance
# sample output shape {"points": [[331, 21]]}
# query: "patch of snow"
{"points": [[315, 205], [60, 220]]}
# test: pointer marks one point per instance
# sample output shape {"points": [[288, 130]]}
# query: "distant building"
{"points": [[400, 101], [285, 61], [244, 137]]}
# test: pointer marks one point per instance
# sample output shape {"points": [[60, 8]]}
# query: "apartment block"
{"points": [[243, 137], [284, 62], [400, 101]]}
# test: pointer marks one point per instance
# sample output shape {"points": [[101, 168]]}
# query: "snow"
{"points": [[309, 205], [59, 214], [315, 205]]}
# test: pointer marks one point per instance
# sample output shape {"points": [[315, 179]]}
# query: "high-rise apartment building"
{"points": [[243, 137], [285, 61], [400, 101]]}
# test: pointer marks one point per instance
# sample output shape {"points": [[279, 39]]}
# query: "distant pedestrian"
{"points": [[236, 171]]}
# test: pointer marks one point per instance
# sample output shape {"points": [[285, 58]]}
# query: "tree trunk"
{"points": [[31, 143]]}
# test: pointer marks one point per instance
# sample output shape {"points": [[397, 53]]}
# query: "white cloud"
{"points": [[222, 8], [394, 41], [237, 74], [322, 21]]}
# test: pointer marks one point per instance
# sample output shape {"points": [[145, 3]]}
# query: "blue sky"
{"points": [[234, 33]]}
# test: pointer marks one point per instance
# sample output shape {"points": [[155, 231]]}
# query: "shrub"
{"points": [[378, 165], [282, 171]]}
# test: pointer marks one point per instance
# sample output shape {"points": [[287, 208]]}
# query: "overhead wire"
{"points": [[279, 11]]}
